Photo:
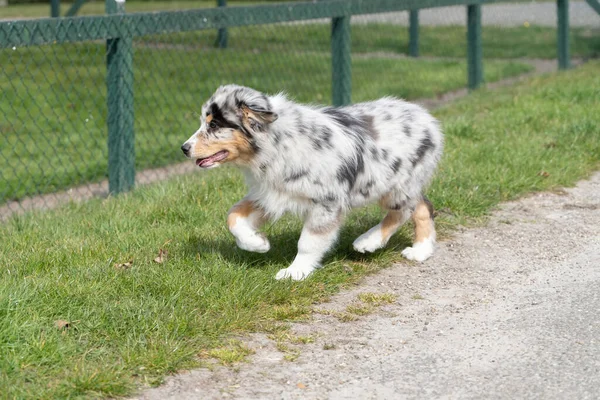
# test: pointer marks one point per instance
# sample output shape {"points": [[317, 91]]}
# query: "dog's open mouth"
{"points": [[211, 160]]}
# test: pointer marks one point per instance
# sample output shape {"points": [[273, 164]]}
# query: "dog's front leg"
{"points": [[319, 233], [244, 220]]}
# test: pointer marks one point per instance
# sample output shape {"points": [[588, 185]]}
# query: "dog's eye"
{"points": [[212, 125]]}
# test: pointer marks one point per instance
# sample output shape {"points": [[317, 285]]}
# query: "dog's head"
{"points": [[231, 125]]}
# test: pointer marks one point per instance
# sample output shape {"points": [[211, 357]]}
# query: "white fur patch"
{"points": [[295, 271], [420, 251], [247, 238], [311, 249], [370, 241]]}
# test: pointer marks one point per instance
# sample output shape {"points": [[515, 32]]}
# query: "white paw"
{"points": [[369, 241], [294, 272], [256, 242], [420, 251]]}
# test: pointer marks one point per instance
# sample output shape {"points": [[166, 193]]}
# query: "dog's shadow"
{"points": [[284, 247]]}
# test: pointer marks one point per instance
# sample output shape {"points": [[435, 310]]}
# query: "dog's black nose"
{"points": [[186, 148]]}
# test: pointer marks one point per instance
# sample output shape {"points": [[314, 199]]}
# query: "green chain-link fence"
{"points": [[86, 102]]}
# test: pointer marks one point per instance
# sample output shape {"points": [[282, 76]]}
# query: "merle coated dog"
{"points": [[320, 162]]}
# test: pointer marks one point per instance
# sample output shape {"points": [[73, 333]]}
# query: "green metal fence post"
{"points": [[222, 36], [119, 82], [474, 52], [55, 8], [595, 4], [563, 33], [341, 83], [413, 31]]}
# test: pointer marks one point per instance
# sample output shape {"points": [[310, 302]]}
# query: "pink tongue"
{"points": [[205, 162], [208, 161]]}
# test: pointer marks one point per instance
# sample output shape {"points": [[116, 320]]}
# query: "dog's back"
{"points": [[346, 157]]}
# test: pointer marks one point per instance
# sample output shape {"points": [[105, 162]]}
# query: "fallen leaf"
{"points": [[162, 256], [301, 385], [62, 324], [544, 174], [125, 265]]}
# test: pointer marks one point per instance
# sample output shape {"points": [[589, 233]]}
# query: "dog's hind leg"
{"points": [[378, 236], [244, 220], [318, 235], [422, 247], [398, 206]]}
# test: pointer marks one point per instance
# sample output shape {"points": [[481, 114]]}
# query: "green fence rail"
{"points": [[595, 4], [119, 29], [222, 36]]}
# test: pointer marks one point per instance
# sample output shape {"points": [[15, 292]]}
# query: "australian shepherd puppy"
{"points": [[320, 162]]}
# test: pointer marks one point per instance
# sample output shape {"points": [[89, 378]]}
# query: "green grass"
{"points": [[133, 326], [441, 41], [53, 104]]}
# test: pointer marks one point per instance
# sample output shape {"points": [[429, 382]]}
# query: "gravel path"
{"points": [[509, 15], [509, 310]]}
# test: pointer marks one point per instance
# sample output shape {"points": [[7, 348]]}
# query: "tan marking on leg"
{"points": [[390, 224], [423, 219], [384, 201], [241, 210]]}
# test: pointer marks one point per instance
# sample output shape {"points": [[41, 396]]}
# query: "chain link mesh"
{"points": [[53, 100]]}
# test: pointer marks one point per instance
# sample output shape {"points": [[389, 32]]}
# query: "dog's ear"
{"points": [[255, 118]]}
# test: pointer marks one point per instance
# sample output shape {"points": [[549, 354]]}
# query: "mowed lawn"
{"points": [[53, 98], [132, 324], [374, 37]]}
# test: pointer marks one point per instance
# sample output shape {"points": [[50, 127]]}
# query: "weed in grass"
{"points": [[291, 357], [274, 328], [377, 299], [290, 353], [290, 312], [234, 352], [302, 339], [418, 297], [328, 346], [346, 317], [283, 337], [359, 309], [341, 316]]}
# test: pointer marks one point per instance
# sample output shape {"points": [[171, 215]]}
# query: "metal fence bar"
{"points": [[562, 8], [222, 35], [474, 48], [341, 84], [119, 83], [55, 8], [595, 4], [100, 27], [413, 31]]}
